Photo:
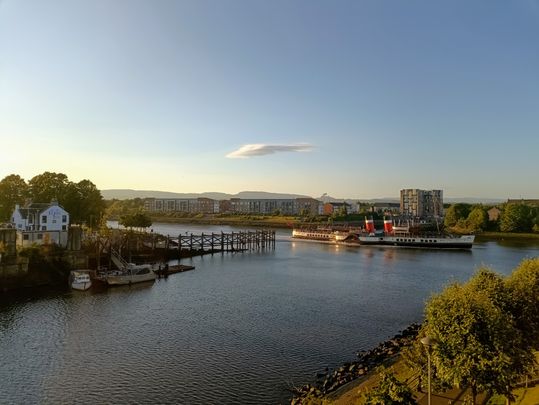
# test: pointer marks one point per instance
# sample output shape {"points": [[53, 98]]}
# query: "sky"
{"points": [[355, 99]]}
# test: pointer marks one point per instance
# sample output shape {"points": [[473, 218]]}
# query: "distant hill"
{"points": [[126, 194]]}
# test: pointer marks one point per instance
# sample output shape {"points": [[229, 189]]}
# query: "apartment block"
{"points": [[416, 203]]}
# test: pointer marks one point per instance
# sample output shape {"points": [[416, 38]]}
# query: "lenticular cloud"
{"points": [[260, 149]]}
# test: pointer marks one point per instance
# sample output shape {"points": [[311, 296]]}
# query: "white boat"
{"points": [[133, 274], [127, 273], [402, 237], [418, 241], [80, 280], [322, 234]]}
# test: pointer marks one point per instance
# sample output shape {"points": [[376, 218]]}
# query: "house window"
{"points": [[39, 236], [64, 218], [25, 236], [43, 228], [43, 218], [64, 227]]}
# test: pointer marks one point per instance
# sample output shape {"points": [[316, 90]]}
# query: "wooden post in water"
{"points": [[222, 242]]}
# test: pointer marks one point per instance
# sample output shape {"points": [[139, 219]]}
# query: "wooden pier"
{"points": [[148, 247], [223, 242]]}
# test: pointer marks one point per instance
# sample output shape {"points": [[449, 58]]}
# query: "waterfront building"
{"points": [[268, 206], [263, 206], [41, 223], [533, 202], [189, 205], [385, 208], [332, 207], [416, 203]]}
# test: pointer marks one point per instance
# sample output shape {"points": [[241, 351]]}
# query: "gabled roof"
{"points": [[35, 208]]}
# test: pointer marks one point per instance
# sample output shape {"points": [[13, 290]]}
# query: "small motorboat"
{"points": [[80, 280]]}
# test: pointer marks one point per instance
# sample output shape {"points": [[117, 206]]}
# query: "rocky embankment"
{"points": [[367, 361]]}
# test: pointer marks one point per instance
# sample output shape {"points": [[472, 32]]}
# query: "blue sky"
{"points": [[351, 98]]}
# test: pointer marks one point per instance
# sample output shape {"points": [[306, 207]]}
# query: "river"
{"points": [[241, 328]]}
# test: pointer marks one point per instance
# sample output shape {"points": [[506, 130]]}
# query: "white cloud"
{"points": [[260, 149]]}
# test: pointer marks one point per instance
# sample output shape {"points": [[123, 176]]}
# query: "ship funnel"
{"points": [[388, 225], [369, 225]]}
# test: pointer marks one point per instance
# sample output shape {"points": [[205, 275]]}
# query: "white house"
{"points": [[41, 223]]}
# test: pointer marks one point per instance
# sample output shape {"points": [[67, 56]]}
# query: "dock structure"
{"points": [[224, 241], [152, 247]]}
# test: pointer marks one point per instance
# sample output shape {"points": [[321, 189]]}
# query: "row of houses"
{"points": [[292, 206], [295, 206], [413, 203]]}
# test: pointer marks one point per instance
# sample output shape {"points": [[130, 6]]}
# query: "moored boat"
{"points": [[80, 280], [402, 237], [321, 234], [133, 274]]}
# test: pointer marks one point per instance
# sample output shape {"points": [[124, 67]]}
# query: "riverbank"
{"points": [[289, 222], [237, 221], [328, 384]]}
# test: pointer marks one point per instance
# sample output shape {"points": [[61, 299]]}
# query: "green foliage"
{"points": [[455, 213], [524, 286], [479, 341], [49, 186], [477, 219], [515, 218], [82, 200], [13, 190], [390, 391], [136, 220], [116, 208]]}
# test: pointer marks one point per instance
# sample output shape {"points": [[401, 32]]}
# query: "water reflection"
{"points": [[236, 329]]}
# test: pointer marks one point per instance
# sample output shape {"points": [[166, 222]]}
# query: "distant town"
{"points": [[414, 203]]}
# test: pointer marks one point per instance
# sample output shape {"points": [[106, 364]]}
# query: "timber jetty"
{"points": [[149, 247]]}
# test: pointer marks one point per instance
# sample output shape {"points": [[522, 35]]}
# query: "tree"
{"points": [[524, 286], [477, 219], [136, 220], [515, 218], [390, 391], [13, 190], [456, 212], [49, 186], [479, 343], [84, 202]]}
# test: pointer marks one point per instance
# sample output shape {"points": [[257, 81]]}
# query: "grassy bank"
{"points": [[508, 235], [239, 221]]}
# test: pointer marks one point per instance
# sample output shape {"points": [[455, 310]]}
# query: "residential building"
{"points": [[191, 205], [385, 208], [494, 214], [416, 203], [293, 206], [41, 223], [332, 207]]}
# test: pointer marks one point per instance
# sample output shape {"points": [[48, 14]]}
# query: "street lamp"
{"points": [[428, 342]]}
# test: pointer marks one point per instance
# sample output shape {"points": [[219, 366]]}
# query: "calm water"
{"points": [[241, 328]]}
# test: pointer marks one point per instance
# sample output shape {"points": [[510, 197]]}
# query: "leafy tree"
{"points": [[390, 391], [84, 202], [136, 220], [13, 190], [479, 344], [524, 286], [456, 212], [116, 208], [477, 219], [516, 218], [49, 186]]}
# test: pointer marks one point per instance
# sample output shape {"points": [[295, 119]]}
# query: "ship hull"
{"points": [[462, 242]]}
